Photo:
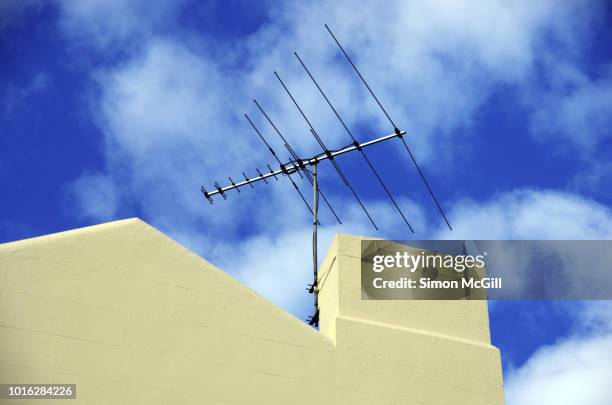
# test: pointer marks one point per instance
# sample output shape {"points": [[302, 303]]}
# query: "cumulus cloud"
{"points": [[96, 197], [104, 24], [527, 214], [169, 123], [434, 64], [168, 112], [577, 108], [595, 178], [531, 214], [575, 370]]}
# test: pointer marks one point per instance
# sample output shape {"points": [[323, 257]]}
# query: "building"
{"points": [[132, 317]]}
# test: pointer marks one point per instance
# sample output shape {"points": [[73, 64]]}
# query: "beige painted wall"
{"points": [[132, 317]]}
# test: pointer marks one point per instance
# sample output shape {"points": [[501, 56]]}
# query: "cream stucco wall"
{"points": [[132, 317]]}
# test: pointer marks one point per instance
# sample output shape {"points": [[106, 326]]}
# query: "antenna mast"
{"points": [[314, 289], [295, 166]]}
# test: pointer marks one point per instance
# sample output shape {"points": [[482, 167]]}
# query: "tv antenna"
{"points": [[306, 168]]}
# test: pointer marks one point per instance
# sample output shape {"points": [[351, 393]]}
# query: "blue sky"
{"points": [[117, 109]]}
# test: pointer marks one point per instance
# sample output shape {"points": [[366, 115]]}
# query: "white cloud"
{"points": [[278, 267], [531, 214], [595, 178], [434, 64], [577, 108], [575, 370], [526, 214], [596, 318], [169, 112], [96, 197], [104, 24]]}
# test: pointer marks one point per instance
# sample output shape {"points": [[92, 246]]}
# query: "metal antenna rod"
{"points": [[361, 77], [295, 156], [433, 196], [325, 150], [279, 162], [355, 141]]}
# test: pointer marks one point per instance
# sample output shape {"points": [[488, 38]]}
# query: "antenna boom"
{"points": [[293, 166]]}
